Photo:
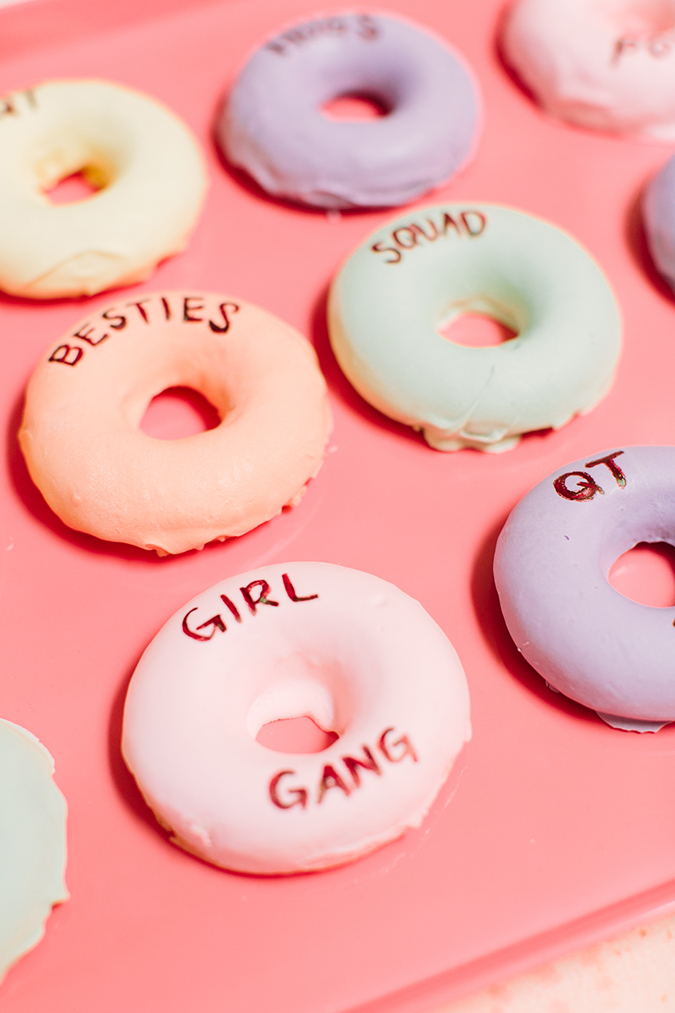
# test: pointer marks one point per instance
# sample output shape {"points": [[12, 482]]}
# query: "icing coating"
{"points": [[153, 181], [658, 214], [551, 564], [344, 647], [32, 842], [431, 265], [273, 127], [606, 66], [101, 474]]}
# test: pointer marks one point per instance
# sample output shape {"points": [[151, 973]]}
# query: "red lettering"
{"points": [[188, 309], [83, 334], [659, 47], [381, 248], [411, 233], [330, 779], [449, 220], [352, 763], [614, 468], [586, 486], [290, 590], [69, 355], [224, 307], [118, 321], [299, 793], [139, 306], [232, 607], [403, 741], [477, 226], [421, 232], [7, 108], [367, 27], [215, 623], [622, 44], [167, 308], [262, 598]]}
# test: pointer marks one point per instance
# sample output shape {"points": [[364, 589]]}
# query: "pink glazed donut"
{"points": [[348, 649], [273, 127], [101, 474], [604, 65], [551, 564]]}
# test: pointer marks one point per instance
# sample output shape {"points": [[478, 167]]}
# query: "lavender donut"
{"points": [[551, 564], [273, 127], [658, 212]]}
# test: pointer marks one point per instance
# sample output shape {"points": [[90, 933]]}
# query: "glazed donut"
{"points": [[551, 564], [658, 214], [349, 650], [607, 66], [420, 271], [101, 474], [149, 167], [272, 126], [32, 842]]}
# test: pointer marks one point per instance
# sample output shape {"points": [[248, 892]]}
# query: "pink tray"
{"points": [[553, 830]]}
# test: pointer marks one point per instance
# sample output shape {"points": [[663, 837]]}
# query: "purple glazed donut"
{"points": [[551, 564], [658, 212], [273, 127]]}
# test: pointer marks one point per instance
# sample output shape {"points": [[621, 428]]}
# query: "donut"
{"points": [[600, 65], [272, 125], [149, 168], [551, 564], [421, 271], [101, 474], [658, 215], [343, 647], [32, 842]]}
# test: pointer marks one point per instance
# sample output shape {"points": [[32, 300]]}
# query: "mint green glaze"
{"points": [[421, 270], [32, 842]]}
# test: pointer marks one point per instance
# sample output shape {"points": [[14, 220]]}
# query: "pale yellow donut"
{"points": [[153, 180], [102, 474]]}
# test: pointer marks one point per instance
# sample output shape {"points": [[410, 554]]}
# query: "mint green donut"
{"points": [[433, 264]]}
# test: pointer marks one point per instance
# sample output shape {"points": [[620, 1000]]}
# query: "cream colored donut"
{"points": [[152, 178], [32, 842], [101, 474], [604, 64], [344, 647]]}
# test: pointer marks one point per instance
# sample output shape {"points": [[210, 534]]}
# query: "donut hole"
{"points": [[179, 412], [478, 322], [646, 574], [295, 735], [474, 330], [305, 706], [355, 106], [75, 187]]}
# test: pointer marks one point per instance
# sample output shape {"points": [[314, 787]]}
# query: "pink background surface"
{"points": [[552, 829]]}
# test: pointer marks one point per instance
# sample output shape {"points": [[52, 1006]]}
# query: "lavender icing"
{"points": [[273, 127]]}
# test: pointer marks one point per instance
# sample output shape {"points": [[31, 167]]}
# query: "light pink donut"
{"points": [[101, 474], [348, 649], [604, 64]]}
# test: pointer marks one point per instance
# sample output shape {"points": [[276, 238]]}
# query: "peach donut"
{"points": [[607, 66], [101, 474], [346, 648], [145, 160]]}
